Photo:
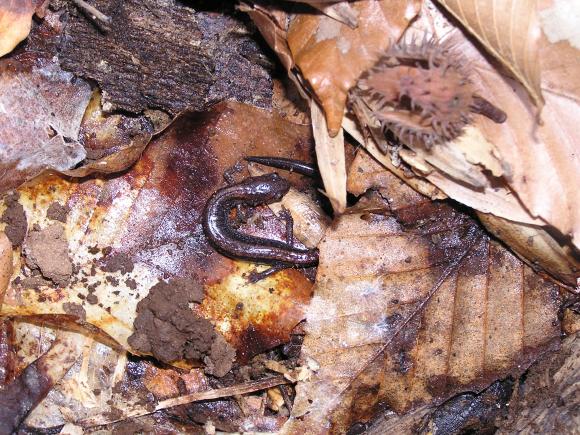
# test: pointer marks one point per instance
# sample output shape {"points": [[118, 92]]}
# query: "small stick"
{"points": [[93, 12], [140, 410]]}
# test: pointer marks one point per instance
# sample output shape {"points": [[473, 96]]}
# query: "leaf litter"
{"points": [[407, 294]]}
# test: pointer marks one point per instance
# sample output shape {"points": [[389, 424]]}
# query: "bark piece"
{"points": [[158, 54]]}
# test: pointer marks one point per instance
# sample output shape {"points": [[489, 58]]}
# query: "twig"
{"points": [[93, 13], [139, 410]]}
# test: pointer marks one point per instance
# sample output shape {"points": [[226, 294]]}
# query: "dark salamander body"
{"points": [[253, 191]]}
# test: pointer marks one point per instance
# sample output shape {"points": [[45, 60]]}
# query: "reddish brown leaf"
{"points": [[331, 55]]}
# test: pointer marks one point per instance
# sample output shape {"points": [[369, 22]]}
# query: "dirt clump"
{"points": [[118, 263], [47, 250], [167, 327], [15, 219], [57, 212]]}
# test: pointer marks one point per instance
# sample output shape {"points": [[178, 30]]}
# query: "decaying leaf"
{"points": [[105, 386], [5, 264], [331, 55], [114, 239], [15, 22], [510, 31], [112, 142], [536, 246], [42, 111], [21, 395], [412, 307]]}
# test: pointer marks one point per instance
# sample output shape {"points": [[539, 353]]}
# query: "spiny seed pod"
{"points": [[422, 93]]}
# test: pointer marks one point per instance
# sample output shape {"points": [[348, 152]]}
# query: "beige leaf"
{"points": [[529, 171], [406, 313], [5, 264], [15, 23], [330, 156], [510, 31]]}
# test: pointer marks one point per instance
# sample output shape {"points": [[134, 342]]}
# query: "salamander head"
{"points": [[268, 188]]}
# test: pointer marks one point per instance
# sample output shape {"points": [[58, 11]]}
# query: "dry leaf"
{"points": [[39, 125], [5, 264], [331, 160], [15, 22], [112, 142], [510, 31], [272, 26], [517, 170], [331, 55], [21, 395], [537, 247], [414, 308]]}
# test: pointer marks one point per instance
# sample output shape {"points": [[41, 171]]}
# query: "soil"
{"points": [[118, 263], [167, 327], [76, 310], [47, 250], [57, 212], [15, 219]]}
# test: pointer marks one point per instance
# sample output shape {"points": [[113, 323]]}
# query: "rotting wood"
{"points": [[157, 54]]}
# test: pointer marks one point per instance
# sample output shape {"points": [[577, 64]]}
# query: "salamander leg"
{"points": [[253, 277], [287, 216]]}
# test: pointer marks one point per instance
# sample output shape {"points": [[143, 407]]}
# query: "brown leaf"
{"points": [[20, 396], [15, 22], [537, 247], [510, 31], [331, 55], [413, 308], [272, 26], [150, 216]]}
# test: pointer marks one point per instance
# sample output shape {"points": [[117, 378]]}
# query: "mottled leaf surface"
{"points": [[412, 307]]}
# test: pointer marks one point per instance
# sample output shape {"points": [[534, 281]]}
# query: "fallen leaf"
{"points": [[15, 22], [5, 264], [331, 55], [510, 31], [413, 307], [43, 108], [537, 247], [113, 142], [519, 171], [21, 395], [272, 26], [330, 157]]}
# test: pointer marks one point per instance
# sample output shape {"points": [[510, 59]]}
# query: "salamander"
{"points": [[253, 191]]}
